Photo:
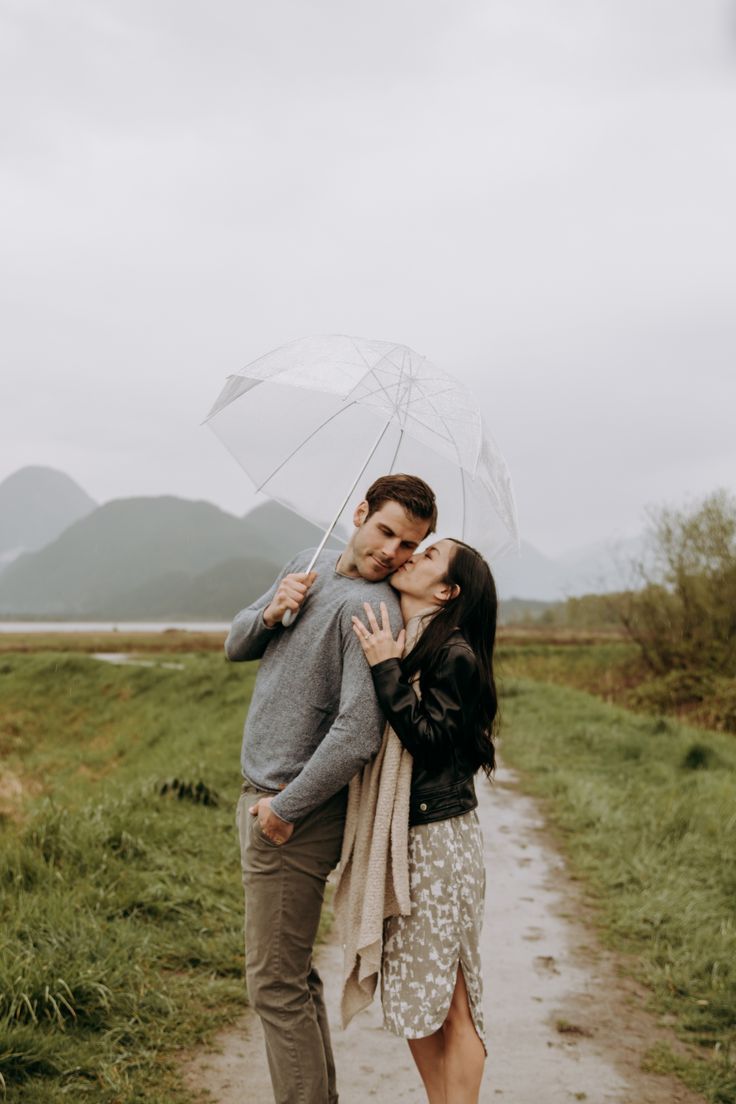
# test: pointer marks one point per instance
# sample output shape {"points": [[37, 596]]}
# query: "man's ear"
{"points": [[361, 513]]}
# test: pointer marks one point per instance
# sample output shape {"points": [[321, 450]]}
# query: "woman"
{"points": [[441, 702]]}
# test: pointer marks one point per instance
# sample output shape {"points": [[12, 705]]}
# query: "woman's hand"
{"points": [[377, 642]]}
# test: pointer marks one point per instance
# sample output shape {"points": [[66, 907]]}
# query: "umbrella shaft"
{"points": [[346, 499]]}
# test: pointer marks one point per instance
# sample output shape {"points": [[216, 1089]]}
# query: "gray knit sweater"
{"points": [[314, 719]]}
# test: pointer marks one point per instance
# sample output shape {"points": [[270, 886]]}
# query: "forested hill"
{"points": [[155, 557]]}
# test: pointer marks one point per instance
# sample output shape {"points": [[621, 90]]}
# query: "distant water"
{"points": [[111, 626]]}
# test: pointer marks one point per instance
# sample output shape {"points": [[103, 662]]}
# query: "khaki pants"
{"points": [[284, 888]]}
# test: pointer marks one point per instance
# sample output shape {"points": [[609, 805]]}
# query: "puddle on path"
{"points": [[124, 659]]}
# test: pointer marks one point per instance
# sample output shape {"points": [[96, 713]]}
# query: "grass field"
{"points": [[121, 911], [646, 810], [121, 914]]}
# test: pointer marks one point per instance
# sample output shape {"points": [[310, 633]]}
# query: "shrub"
{"points": [[684, 616]]}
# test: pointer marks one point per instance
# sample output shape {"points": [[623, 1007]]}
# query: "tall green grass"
{"points": [[615, 671], [120, 907], [646, 809], [603, 668]]}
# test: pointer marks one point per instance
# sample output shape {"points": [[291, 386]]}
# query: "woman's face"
{"points": [[423, 575]]}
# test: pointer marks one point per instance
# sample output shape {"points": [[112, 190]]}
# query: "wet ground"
{"points": [[123, 659], [564, 1022]]}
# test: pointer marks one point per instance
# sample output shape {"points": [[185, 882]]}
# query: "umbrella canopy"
{"points": [[317, 419]]}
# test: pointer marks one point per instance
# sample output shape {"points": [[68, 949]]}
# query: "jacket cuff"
{"points": [[385, 666]]}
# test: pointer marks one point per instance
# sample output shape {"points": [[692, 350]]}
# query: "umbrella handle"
{"points": [[290, 615]]}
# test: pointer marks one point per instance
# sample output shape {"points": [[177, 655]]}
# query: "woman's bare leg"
{"points": [[464, 1054], [429, 1055], [450, 1062]]}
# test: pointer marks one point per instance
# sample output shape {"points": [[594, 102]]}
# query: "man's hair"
{"points": [[411, 492]]}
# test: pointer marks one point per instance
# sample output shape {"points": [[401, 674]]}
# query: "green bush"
{"points": [[684, 616]]}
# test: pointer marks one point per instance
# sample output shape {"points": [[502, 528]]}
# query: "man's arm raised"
{"points": [[254, 626]]}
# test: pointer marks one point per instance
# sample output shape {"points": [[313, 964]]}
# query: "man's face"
{"points": [[385, 540]]}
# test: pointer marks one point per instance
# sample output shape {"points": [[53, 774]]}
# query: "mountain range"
{"points": [[166, 557], [36, 505]]}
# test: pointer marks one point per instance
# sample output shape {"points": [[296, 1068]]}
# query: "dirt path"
{"points": [[563, 1024]]}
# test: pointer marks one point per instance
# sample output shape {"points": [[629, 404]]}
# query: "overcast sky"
{"points": [[536, 194]]}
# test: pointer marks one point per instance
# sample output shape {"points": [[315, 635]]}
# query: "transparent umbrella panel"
{"points": [[308, 420]]}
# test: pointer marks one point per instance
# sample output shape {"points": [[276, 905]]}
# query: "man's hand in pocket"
{"points": [[271, 824]]}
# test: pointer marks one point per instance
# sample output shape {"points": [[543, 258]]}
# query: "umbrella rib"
{"points": [[398, 367], [227, 448], [411, 414], [301, 444], [344, 502], [459, 461], [406, 409], [372, 371], [396, 451], [431, 429], [467, 415], [443, 419], [376, 391], [436, 394], [384, 356]]}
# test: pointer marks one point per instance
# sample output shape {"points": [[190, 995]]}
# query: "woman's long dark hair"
{"points": [[473, 611]]}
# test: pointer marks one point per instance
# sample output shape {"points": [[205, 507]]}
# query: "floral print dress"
{"points": [[422, 951]]}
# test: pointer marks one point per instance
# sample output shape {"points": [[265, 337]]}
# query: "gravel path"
{"points": [[564, 1025]]}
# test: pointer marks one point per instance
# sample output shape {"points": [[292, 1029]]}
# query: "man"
{"points": [[312, 724]]}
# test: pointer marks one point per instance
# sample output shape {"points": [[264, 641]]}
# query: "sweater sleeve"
{"points": [[249, 635], [431, 726], [353, 738]]}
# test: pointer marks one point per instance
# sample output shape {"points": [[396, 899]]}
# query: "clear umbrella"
{"points": [[311, 420]]}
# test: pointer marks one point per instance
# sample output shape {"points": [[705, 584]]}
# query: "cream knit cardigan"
{"points": [[373, 878]]}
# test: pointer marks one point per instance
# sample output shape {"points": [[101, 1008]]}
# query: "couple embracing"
{"points": [[384, 681]]}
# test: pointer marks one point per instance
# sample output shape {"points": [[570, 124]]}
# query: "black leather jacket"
{"points": [[434, 729]]}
